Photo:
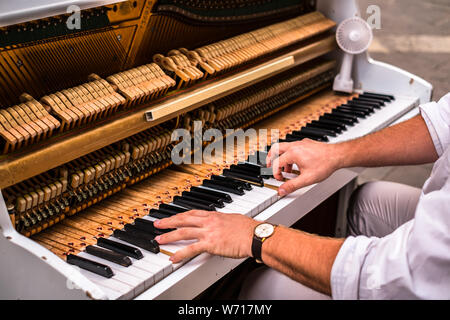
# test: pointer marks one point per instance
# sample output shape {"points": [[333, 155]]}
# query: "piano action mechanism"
{"points": [[87, 116]]}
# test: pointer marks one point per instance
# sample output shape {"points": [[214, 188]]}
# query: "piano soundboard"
{"points": [[86, 169]]}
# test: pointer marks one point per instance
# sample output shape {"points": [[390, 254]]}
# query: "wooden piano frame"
{"points": [[28, 270]]}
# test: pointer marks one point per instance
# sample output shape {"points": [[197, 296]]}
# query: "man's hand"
{"points": [[316, 161], [228, 235]]}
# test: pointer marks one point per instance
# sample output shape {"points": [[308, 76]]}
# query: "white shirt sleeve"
{"points": [[437, 118]]}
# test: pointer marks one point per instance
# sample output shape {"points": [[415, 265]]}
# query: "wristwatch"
{"points": [[260, 234]]}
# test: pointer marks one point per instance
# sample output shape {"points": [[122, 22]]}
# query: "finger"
{"points": [[179, 234], [280, 163], [288, 168], [294, 184], [198, 213], [275, 151], [188, 252]]}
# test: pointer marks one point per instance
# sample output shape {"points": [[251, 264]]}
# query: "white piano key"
{"points": [[172, 247], [244, 204], [225, 210], [157, 260], [238, 205], [264, 198], [120, 289], [379, 119], [145, 264], [130, 275], [257, 198], [139, 268], [111, 294], [237, 208], [273, 182]]}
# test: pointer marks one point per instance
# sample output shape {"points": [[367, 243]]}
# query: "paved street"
{"points": [[415, 36]]}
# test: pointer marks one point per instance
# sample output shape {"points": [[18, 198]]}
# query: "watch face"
{"points": [[264, 230]]}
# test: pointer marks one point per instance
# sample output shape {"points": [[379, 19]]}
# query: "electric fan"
{"points": [[353, 36]]}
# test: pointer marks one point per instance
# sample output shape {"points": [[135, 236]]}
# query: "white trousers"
{"points": [[375, 209]]}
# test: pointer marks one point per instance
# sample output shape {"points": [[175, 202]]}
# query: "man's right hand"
{"points": [[316, 161]]}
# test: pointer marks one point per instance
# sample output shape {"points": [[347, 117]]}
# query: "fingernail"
{"points": [[282, 192], [157, 238], [156, 222]]}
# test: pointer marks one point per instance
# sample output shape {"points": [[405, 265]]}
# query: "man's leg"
{"points": [[378, 208]]}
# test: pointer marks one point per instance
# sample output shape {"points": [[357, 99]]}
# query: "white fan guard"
{"points": [[354, 35]]}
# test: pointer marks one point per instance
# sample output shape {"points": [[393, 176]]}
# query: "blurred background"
{"points": [[415, 36]]}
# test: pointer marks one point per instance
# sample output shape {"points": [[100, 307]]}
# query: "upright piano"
{"points": [[90, 94]]}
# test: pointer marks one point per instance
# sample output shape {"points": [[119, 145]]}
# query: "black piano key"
{"points": [[149, 245], [298, 137], [355, 113], [380, 102], [135, 231], [330, 122], [324, 126], [165, 212], [192, 197], [120, 248], [233, 182], [216, 201], [254, 170], [92, 266], [346, 107], [249, 166], [337, 118], [147, 225], [223, 196], [256, 180], [344, 115], [374, 102], [158, 214], [379, 95], [193, 205], [366, 104], [223, 186], [356, 106], [171, 209], [319, 131], [332, 132], [109, 255], [309, 134], [291, 138]]}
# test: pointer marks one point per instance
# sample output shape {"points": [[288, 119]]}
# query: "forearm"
{"points": [[304, 257], [406, 143]]}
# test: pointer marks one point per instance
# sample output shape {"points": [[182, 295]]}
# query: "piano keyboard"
{"points": [[363, 114], [113, 242], [291, 206]]}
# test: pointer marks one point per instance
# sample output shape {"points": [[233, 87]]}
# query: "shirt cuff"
{"points": [[425, 111], [436, 116], [345, 273]]}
